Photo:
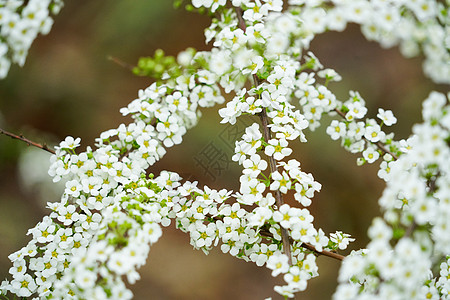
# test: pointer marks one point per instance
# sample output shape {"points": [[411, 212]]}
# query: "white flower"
{"points": [[320, 240], [99, 251], [206, 77], [433, 105], [119, 263], [19, 268], [325, 99], [220, 61], [23, 285], [152, 232], [70, 143], [342, 239], [286, 291], [315, 20], [254, 165], [252, 105], [231, 111], [256, 33], [278, 263], [202, 235], [280, 182], [336, 19], [329, 74], [424, 210], [232, 214], [43, 231], [379, 230], [257, 62], [67, 214], [356, 130], [85, 278], [63, 237], [209, 3], [285, 216], [261, 253], [346, 291], [374, 134], [277, 148], [259, 216], [231, 246], [356, 110], [310, 266], [386, 116], [296, 278], [384, 172], [277, 44], [336, 129], [303, 231], [280, 81], [73, 188], [371, 154]]}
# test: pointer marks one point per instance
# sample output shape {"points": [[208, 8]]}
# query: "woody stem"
{"points": [[27, 141], [272, 162], [278, 196]]}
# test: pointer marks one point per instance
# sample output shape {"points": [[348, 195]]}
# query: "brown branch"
{"points": [[341, 113], [278, 196], [273, 164], [241, 22], [27, 141], [324, 252], [273, 167], [310, 247], [431, 183], [380, 145], [410, 229]]}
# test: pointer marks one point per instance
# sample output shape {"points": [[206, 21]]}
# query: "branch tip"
{"points": [[120, 62], [20, 137]]}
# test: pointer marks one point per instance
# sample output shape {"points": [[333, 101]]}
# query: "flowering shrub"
{"points": [[100, 232], [21, 21]]}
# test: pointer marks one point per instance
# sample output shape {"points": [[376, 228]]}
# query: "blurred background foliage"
{"points": [[69, 87]]}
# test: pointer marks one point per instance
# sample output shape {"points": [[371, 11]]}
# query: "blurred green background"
{"points": [[69, 87]]}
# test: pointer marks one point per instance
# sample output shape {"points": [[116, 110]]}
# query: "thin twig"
{"points": [[410, 229], [309, 247], [266, 233], [323, 252], [380, 145], [27, 141], [121, 63]]}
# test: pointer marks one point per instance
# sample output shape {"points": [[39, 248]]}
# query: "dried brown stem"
{"points": [[27, 141]]}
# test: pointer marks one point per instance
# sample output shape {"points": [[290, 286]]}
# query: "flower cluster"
{"points": [[366, 137], [20, 22], [95, 182], [416, 198], [416, 26], [111, 212]]}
